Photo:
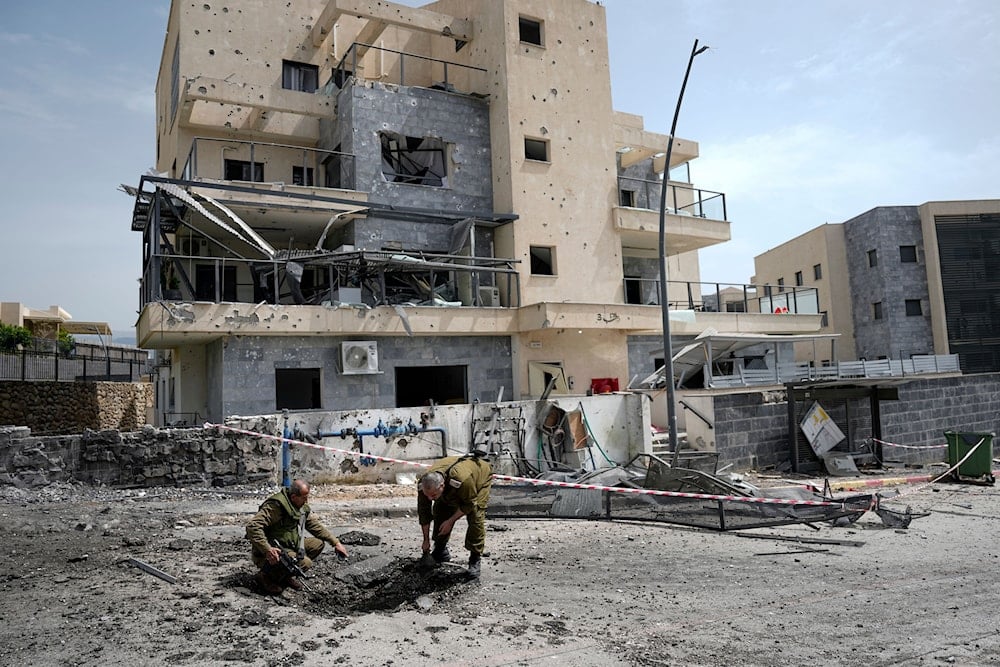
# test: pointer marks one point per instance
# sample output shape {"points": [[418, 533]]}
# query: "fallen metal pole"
{"points": [[152, 570]]}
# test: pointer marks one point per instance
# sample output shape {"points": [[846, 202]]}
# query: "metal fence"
{"points": [[31, 365]]}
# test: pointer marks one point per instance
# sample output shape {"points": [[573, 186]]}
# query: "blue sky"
{"points": [[805, 112]]}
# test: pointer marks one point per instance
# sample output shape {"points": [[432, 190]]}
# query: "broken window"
{"points": [[530, 30], [240, 170], [297, 389], [412, 159], [299, 76], [541, 373], [542, 261], [536, 149], [626, 198], [302, 176]]}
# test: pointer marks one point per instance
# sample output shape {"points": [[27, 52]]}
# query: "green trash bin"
{"points": [[978, 467]]}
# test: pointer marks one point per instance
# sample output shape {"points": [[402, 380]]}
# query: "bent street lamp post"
{"points": [[668, 361]]}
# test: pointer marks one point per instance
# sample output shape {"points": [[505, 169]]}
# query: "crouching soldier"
{"points": [[455, 486], [278, 528]]}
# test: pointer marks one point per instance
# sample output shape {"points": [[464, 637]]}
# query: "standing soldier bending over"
{"points": [[280, 525], [455, 486]]}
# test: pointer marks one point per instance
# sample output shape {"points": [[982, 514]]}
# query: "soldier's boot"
{"points": [[474, 565], [440, 554]]}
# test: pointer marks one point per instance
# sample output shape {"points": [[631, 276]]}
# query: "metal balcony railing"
{"points": [[681, 199], [263, 162], [808, 371], [733, 297], [409, 69]]}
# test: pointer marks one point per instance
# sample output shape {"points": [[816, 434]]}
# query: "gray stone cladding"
{"points": [[248, 382], [461, 122], [891, 282], [752, 428]]}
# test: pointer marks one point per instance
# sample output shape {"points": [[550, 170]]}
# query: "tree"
{"points": [[13, 336]]}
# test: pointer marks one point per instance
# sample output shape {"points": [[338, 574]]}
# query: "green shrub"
{"points": [[11, 336]]}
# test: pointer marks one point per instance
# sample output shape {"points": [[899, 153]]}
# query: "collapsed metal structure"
{"points": [[649, 489]]}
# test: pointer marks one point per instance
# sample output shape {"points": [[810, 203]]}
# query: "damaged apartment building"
{"points": [[358, 204]]}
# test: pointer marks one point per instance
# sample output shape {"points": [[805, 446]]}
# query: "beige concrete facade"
{"points": [[819, 257], [220, 97]]}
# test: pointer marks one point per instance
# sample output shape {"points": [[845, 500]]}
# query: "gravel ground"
{"points": [[552, 592]]}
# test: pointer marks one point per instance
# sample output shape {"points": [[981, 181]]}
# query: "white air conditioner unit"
{"points": [[358, 357], [489, 297]]}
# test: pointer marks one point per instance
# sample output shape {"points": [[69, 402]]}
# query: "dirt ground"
{"points": [[551, 592]]}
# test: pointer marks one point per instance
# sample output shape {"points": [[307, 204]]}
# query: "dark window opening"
{"points": [[412, 159], [825, 319], [626, 198], [908, 254], [798, 279], [913, 307], [333, 167], [542, 261], [204, 283], [817, 272], [240, 170], [877, 310], [302, 176], [536, 149], [297, 389], [341, 76], [419, 385], [768, 290], [299, 76], [530, 30], [781, 284], [872, 258], [633, 289]]}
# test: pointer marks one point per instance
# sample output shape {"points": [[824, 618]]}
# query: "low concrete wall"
{"points": [[73, 407], [231, 453]]}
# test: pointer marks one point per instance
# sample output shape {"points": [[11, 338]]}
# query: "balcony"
{"points": [[365, 62], [271, 164], [696, 218]]}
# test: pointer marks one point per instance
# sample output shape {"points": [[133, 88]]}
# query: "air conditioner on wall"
{"points": [[358, 357], [489, 297]]}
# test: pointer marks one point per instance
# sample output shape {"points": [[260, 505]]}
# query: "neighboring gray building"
{"points": [[900, 281]]}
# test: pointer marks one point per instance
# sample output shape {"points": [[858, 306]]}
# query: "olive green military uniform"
{"points": [[277, 523], [467, 483]]}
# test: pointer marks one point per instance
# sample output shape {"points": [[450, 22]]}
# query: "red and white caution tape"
{"points": [[300, 443], [547, 482], [893, 444]]}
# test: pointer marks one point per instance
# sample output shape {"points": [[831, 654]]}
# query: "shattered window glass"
{"points": [[413, 159]]}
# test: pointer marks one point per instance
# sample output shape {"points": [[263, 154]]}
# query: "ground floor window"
{"points": [[297, 389], [422, 385]]}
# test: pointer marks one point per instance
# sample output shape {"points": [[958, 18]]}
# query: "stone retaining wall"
{"points": [[148, 457], [73, 407]]}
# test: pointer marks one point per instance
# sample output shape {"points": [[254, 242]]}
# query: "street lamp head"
{"points": [[701, 50]]}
